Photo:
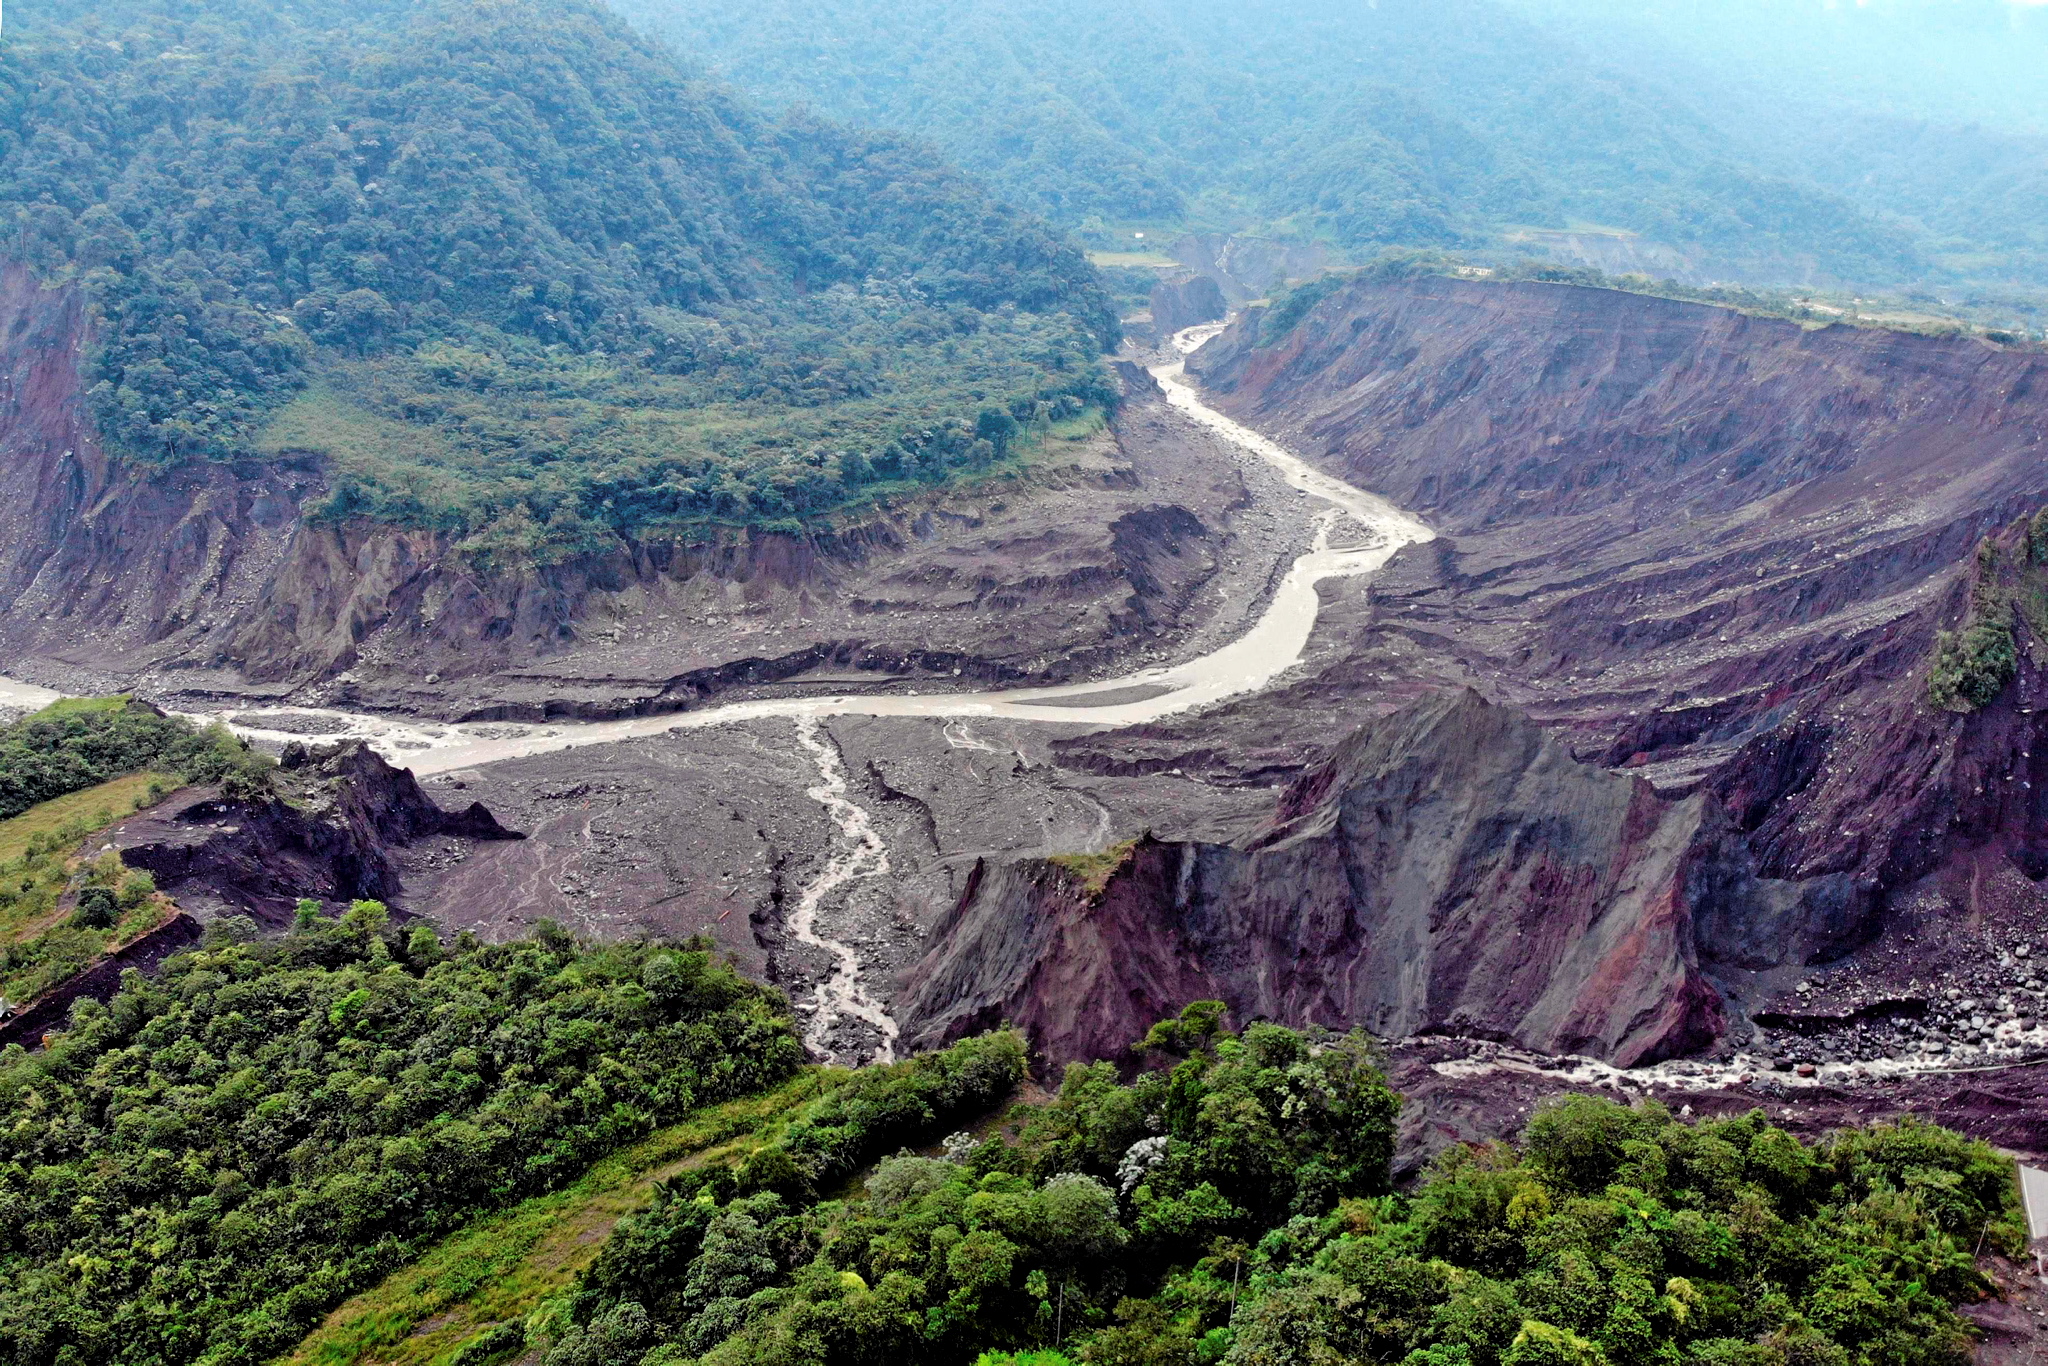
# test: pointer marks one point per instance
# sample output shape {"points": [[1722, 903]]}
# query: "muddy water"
{"points": [[1356, 533], [861, 854], [13, 694]]}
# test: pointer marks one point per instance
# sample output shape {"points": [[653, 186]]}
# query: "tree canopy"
{"points": [[508, 265], [199, 1169], [78, 743], [1234, 1205]]}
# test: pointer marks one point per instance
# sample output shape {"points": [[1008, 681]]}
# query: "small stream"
{"points": [[861, 855]]}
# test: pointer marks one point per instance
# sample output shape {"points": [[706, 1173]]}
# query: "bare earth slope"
{"points": [[207, 582], [1448, 868], [1710, 548]]}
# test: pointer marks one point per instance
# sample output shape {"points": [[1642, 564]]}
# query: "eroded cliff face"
{"points": [[331, 834], [101, 564], [1479, 403], [207, 580], [1448, 868], [1711, 556], [1185, 299], [1710, 548]]}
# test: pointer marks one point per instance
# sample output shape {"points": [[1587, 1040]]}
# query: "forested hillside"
{"points": [[514, 273], [1409, 122], [199, 1169], [1234, 1206]]}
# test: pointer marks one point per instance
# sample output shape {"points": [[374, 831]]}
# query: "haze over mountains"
{"points": [[1778, 142]]}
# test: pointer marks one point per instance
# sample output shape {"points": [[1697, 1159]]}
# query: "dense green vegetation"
{"points": [[76, 744], [1974, 663], [1972, 666], [513, 273], [501, 1267], [199, 1169], [41, 946], [1408, 122], [1234, 1206], [196, 1171]]}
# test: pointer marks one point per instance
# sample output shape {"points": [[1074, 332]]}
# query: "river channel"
{"points": [[1356, 533]]}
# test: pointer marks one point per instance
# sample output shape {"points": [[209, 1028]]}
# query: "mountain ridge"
{"points": [[440, 252]]}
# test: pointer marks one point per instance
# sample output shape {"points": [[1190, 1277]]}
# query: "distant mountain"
{"points": [[1411, 122], [511, 274], [1946, 62], [1929, 114]]}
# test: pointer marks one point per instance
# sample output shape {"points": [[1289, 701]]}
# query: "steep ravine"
{"points": [[1715, 551], [1354, 534]]}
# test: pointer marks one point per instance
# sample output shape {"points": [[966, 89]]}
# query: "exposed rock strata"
{"points": [[1711, 548], [1712, 552], [1448, 868], [332, 837]]}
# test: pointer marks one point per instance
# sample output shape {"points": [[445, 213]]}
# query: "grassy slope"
{"points": [[50, 951], [1095, 870], [100, 806], [501, 1267]]}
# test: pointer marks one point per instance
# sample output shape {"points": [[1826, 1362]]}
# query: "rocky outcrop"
{"points": [[1185, 299], [329, 834], [1448, 868]]}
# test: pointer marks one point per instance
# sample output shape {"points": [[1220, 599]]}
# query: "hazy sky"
{"points": [[1945, 61]]}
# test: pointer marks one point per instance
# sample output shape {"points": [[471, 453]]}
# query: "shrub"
{"points": [[97, 909]]}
